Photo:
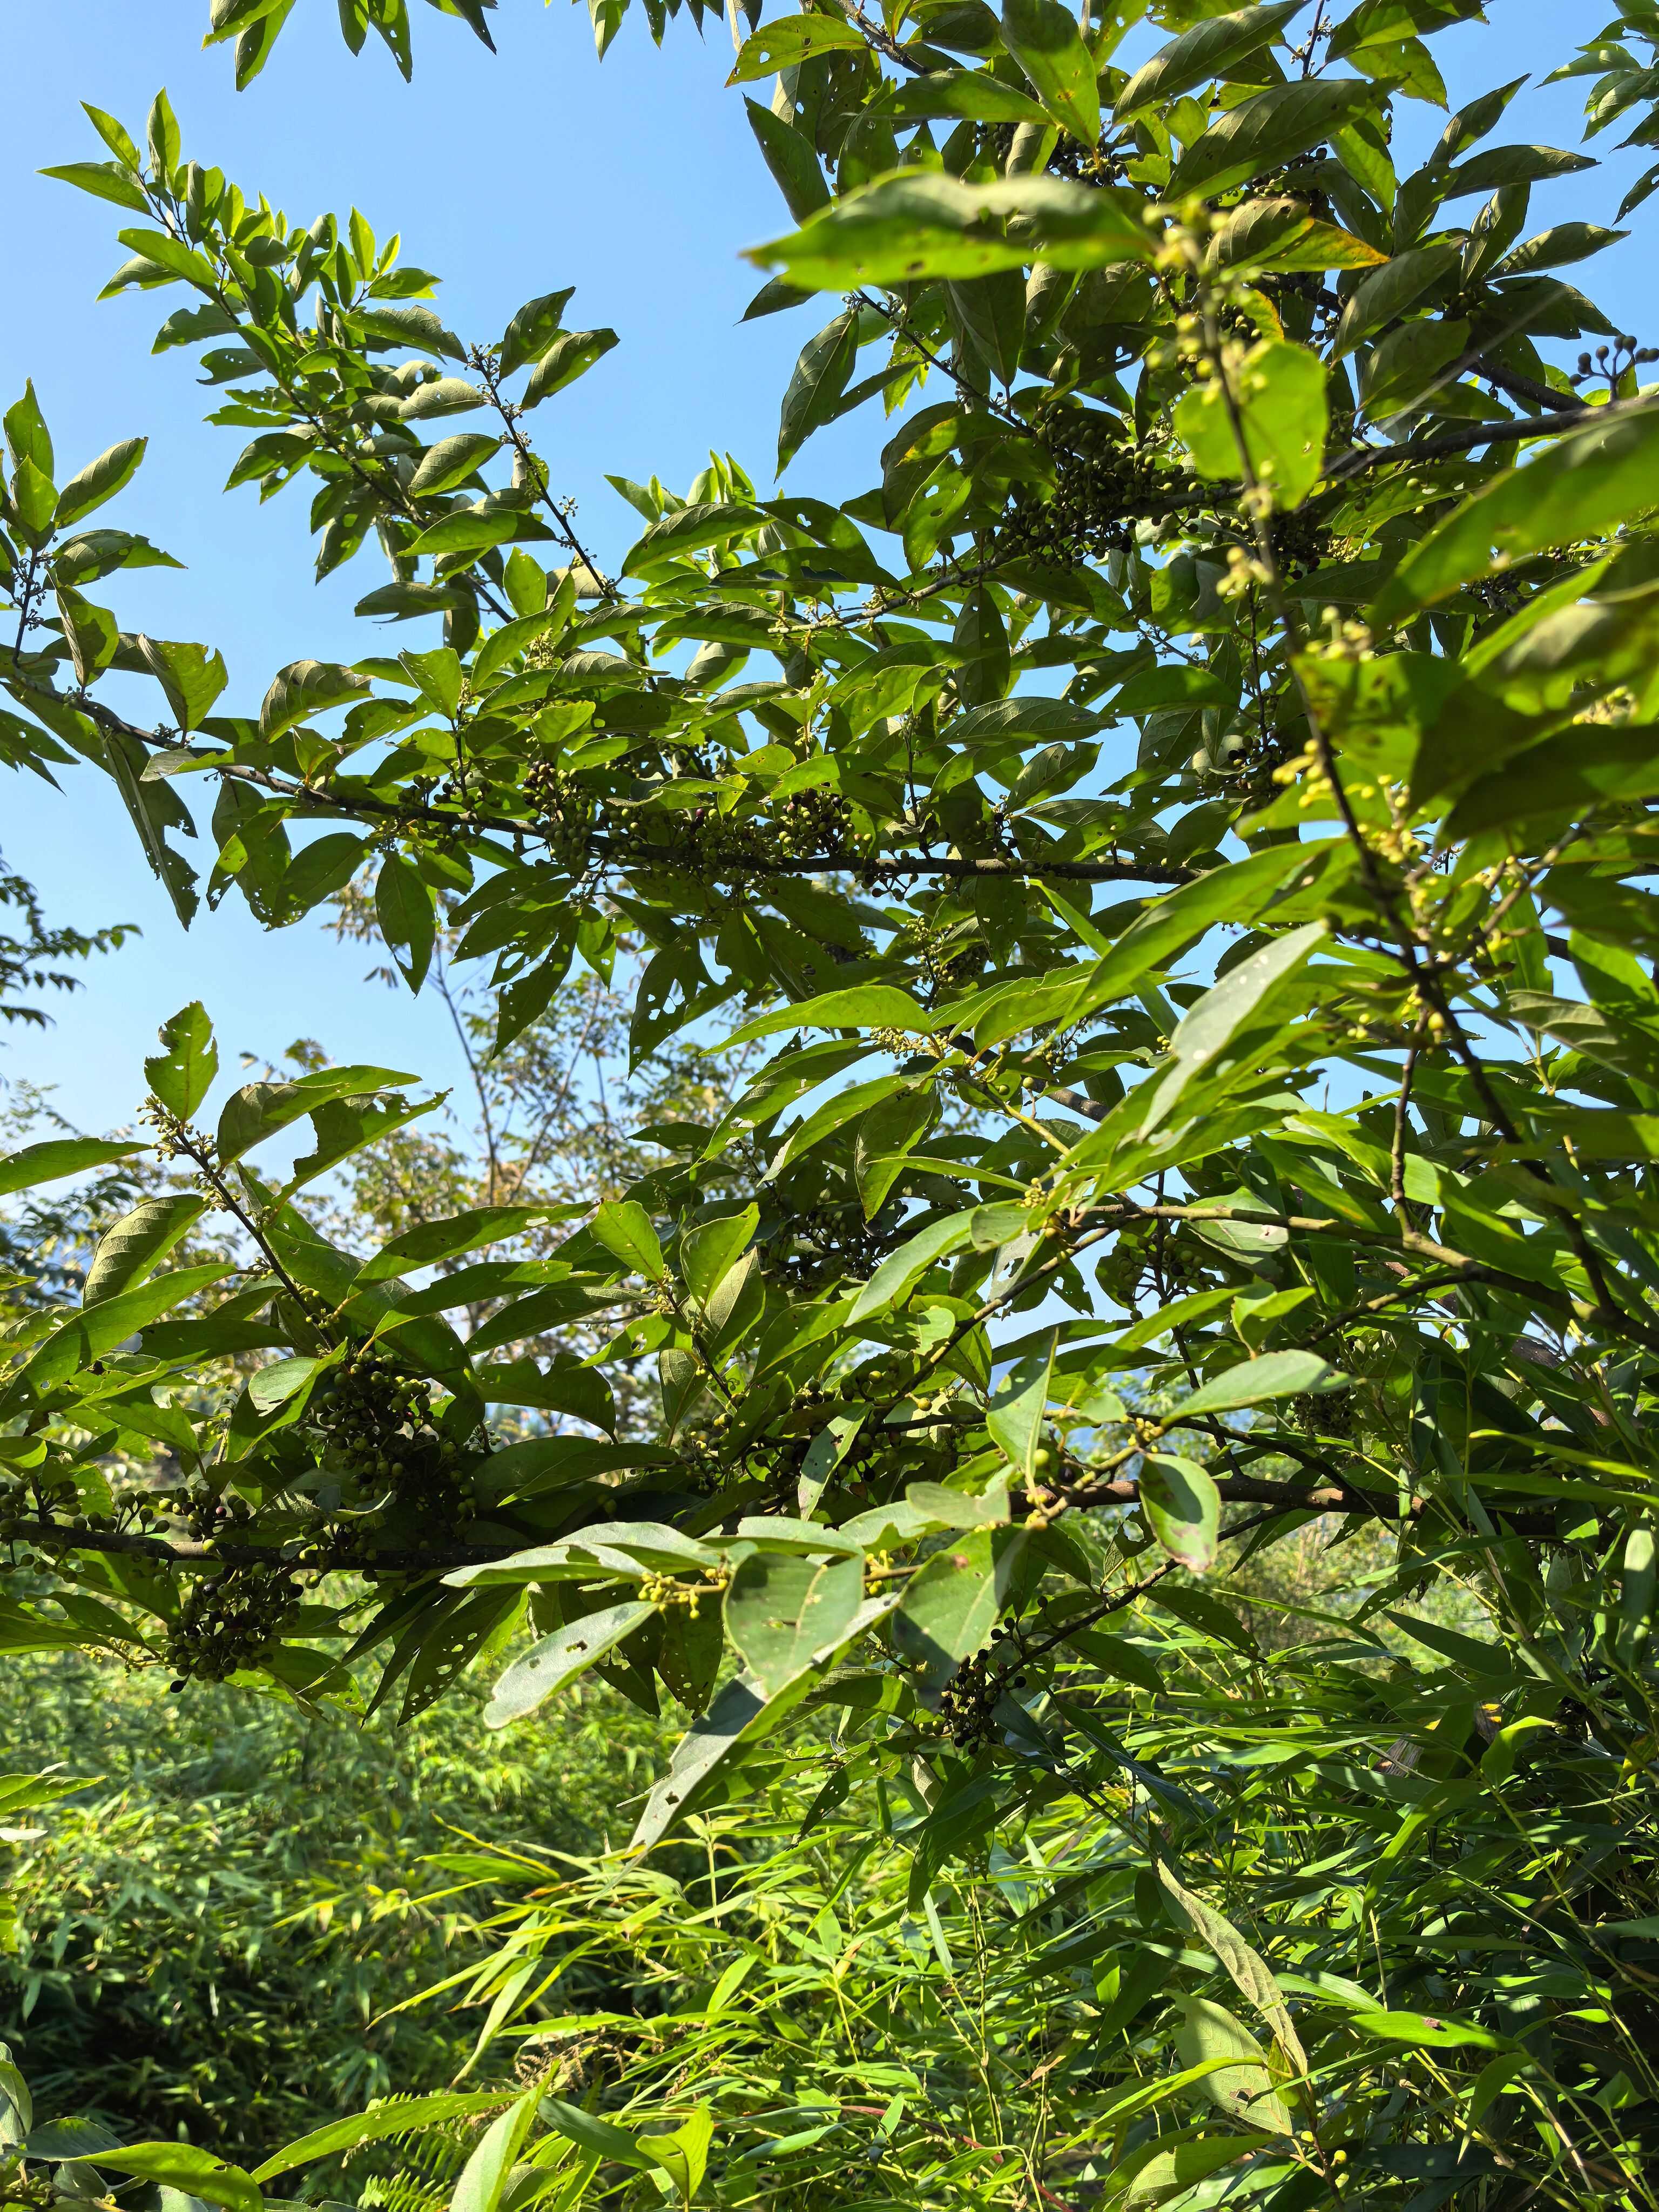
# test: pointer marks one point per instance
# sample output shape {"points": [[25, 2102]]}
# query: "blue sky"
{"points": [[637, 181]]}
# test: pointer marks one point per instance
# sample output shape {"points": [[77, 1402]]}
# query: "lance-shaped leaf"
{"points": [[58, 1157], [429, 1242], [182, 1072], [1252, 1975], [901, 1271], [951, 1606], [395, 2116], [1242, 998], [783, 1612], [191, 676], [1580, 487], [533, 329], [920, 224], [188, 2168], [821, 377], [1272, 128], [1042, 37], [409, 326], [98, 1329], [1208, 49], [99, 481], [1255, 1382], [140, 1241], [558, 1659], [1184, 1508], [571, 355], [1014, 1415], [485, 2176], [1242, 2087]]}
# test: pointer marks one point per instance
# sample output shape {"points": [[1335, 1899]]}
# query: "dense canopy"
{"points": [[1157, 885]]}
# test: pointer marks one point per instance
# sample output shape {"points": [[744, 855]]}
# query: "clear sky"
{"points": [[637, 181]]}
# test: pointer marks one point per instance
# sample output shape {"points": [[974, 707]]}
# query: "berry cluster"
{"points": [[1301, 543], [379, 1426], [968, 1701], [564, 812], [809, 825], [228, 1623], [1105, 484]]}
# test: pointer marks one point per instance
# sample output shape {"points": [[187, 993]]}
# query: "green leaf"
{"points": [[1251, 1974], [1243, 2088], [1184, 1508], [430, 1241], [34, 503], [1279, 392], [407, 914], [99, 481], [951, 1606], [1425, 2031], [1580, 487], [138, 1242], [974, 95], [919, 224], [164, 252], [444, 395], [181, 1074], [26, 436], [1410, 367], [162, 130], [683, 2152], [558, 1659], [1042, 35], [1384, 293], [409, 326], [185, 2167], [782, 1613], [865, 1005], [450, 462], [104, 180], [623, 1226], [257, 1110], [821, 377], [740, 1715], [1511, 165], [901, 1271], [1266, 131], [1209, 50], [571, 355], [485, 2176], [592, 2134], [789, 154], [1255, 1382], [787, 42], [94, 634], [1014, 1415], [709, 1252], [305, 688], [58, 1157], [191, 676], [1209, 1025], [394, 2117], [533, 329]]}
